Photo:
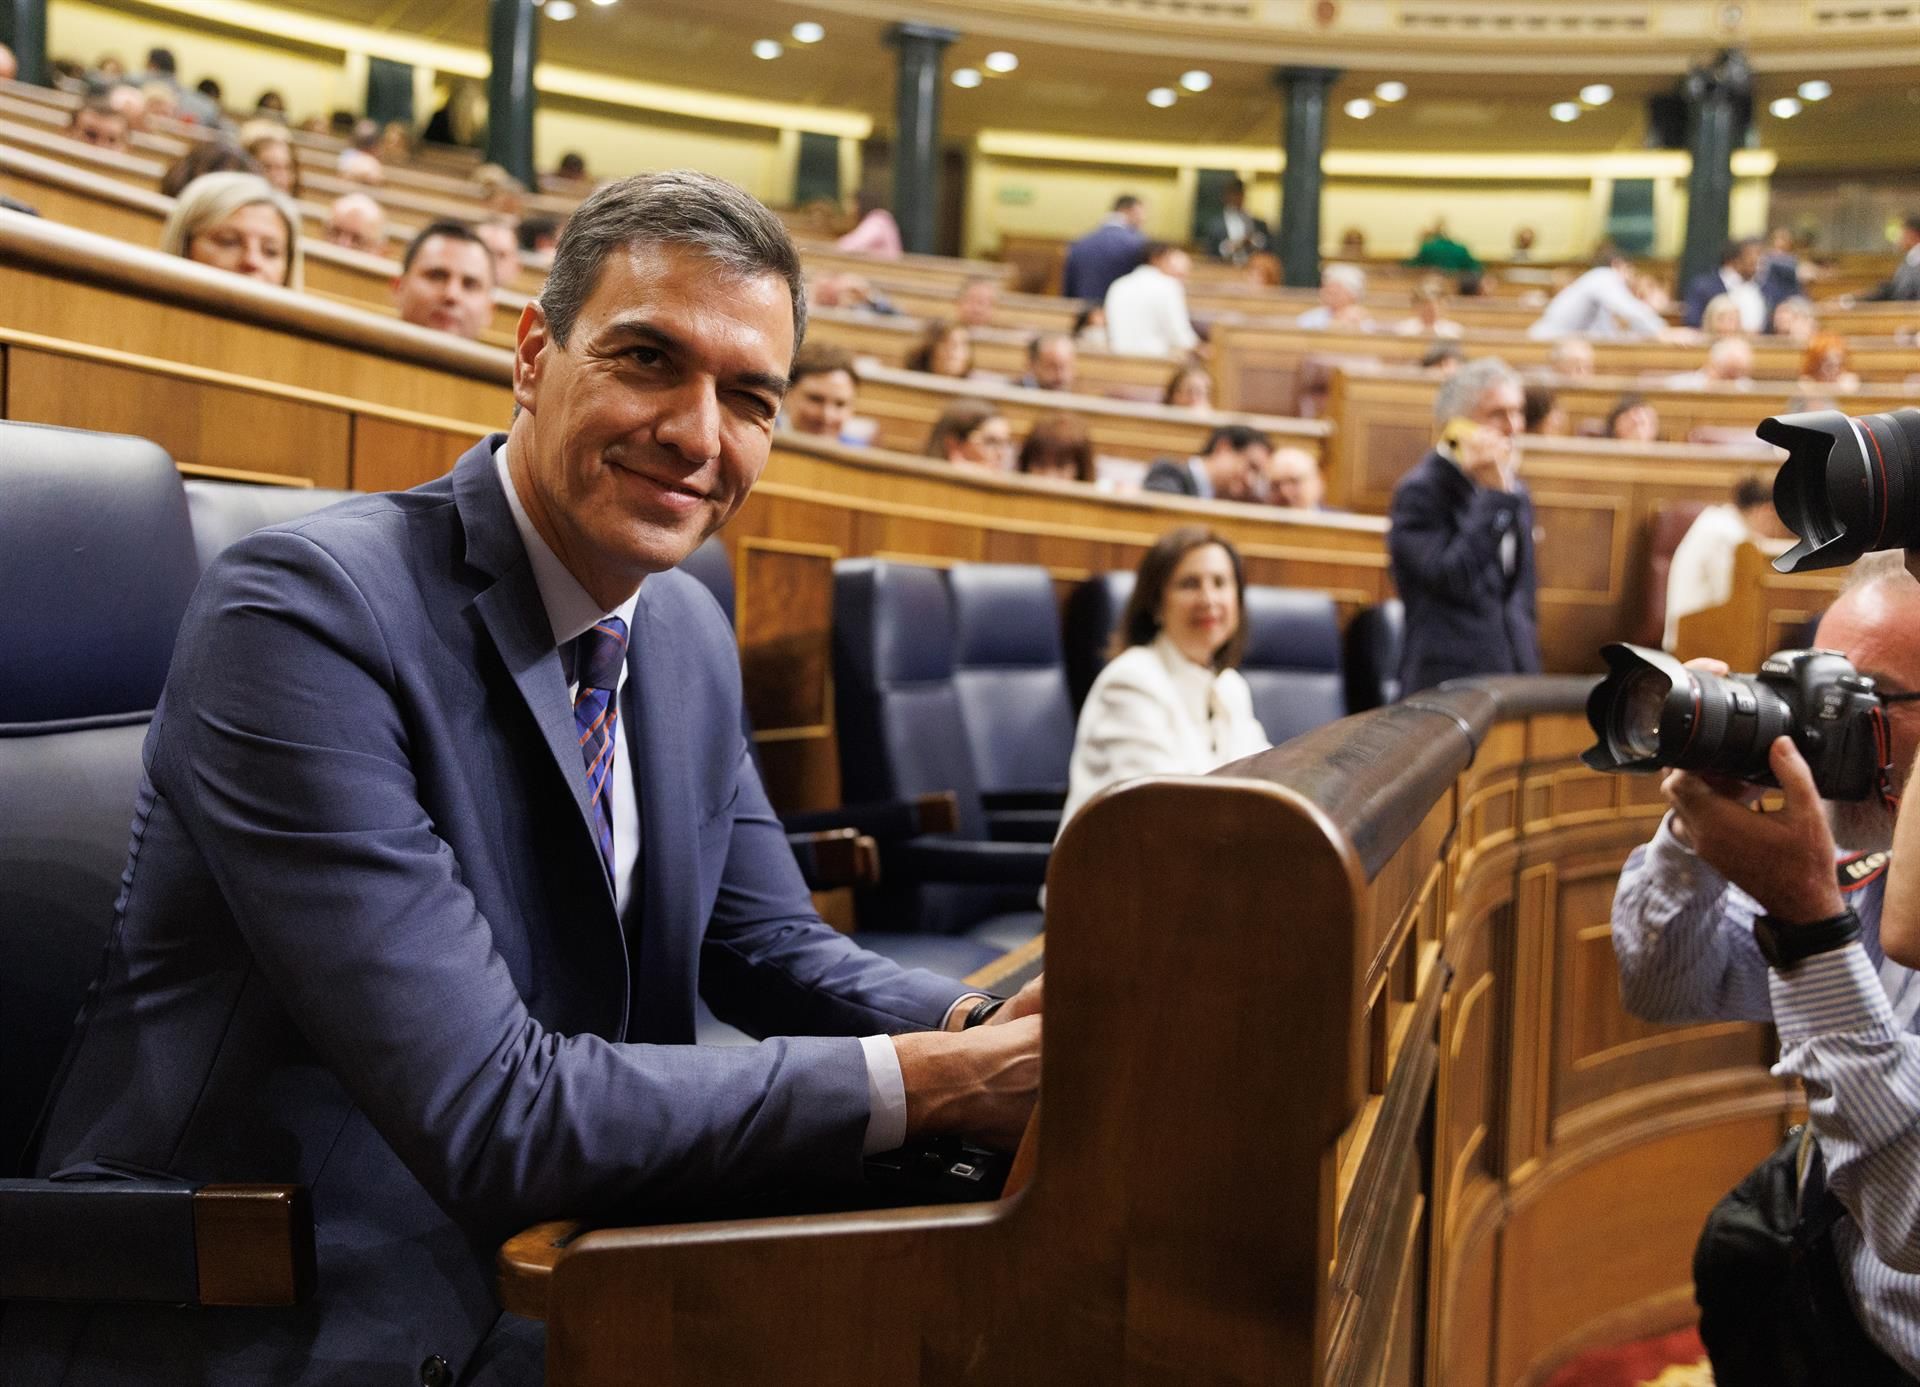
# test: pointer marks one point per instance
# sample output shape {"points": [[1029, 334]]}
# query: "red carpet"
{"points": [[1672, 1360]]}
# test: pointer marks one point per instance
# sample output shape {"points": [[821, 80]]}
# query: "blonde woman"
{"points": [[236, 222]]}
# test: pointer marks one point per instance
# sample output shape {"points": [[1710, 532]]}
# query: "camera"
{"points": [[1848, 486], [1651, 712]]}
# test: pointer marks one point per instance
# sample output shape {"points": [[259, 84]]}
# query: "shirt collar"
{"points": [[1194, 683], [570, 609]]}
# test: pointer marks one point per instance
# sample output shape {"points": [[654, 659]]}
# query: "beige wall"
{"points": [[1042, 198], [632, 142], [1393, 213]]}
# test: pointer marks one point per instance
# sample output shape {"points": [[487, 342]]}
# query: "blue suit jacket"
{"points": [[1702, 290], [365, 943], [1465, 614], [1100, 257]]}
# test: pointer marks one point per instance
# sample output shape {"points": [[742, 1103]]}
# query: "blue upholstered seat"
{"points": [[1292, 660], [1010, 676], [1374, 638]]}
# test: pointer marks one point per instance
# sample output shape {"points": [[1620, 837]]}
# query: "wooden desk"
{"points": [[1387, 1125], [1767, 611]]}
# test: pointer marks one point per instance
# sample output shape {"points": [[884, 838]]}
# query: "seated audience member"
{"points": [[1781, 271], [1541, 413], [945, 349], [501, 237], [1443, 358], [1721, 318], [1190, 387], [1353, 244], [538, 235], [1571, 357], [272, 105], [97, 122], [1701, 575], [1795, 320], [875, 234], [1232, 466], [1905, 283], [572, 167], [1147, 307], [266, 141], [1090, 328], [821, 391], [1600, 303], [1294, 480], [446, 281], [1439, 251], [211, 92], [1633, 420], [976, 301], [1729, 365], [1523, 241], [376, 947], [1781, 918], [1343, 291], [1460, 537], [358, 161], [236, 222], [159, 102], [1051, 362], [1112, 249], [215, 155], [1057, 446], [1264, 270], [355, 221], [1738, 279], [395, 145], [1170, 702], [9, 64], [1233, 234], [972, 433], [1825, 364], [1429, 318], [132, 106]]}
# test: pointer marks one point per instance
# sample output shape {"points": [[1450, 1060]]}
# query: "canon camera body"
{"points": [[1652, 713]]}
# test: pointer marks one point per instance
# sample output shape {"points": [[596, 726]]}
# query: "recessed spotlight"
{"points": [[806, 31], [1359, 108], [1564, 111], [561, 9], [1162, 97], [1391, 92], [1596, 94], [967, 77], [1785, 107], [1001, 61], [603, 3], [1196, 81], [765, 49], [1815, 90]]}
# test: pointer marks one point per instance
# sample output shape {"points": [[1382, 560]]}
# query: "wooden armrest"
{"points": [[836, 857], [525, 1265]]}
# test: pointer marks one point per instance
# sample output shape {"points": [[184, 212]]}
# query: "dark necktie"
{"points": [[597, 657]]}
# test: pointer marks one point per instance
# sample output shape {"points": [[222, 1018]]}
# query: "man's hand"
{"points": [[980, 1083], [1784, 860], [1025, 1002], [1486, 455]]}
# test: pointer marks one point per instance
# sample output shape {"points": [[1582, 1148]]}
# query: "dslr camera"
{"points": [[1651, 713]]}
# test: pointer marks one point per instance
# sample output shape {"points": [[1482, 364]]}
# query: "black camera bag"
{"points": [[1773, 1308]]}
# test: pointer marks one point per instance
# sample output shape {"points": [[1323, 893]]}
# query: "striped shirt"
{"points": [[1683, 935]]}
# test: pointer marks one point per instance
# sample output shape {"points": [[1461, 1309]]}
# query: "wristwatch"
{"points": [[1783, 944], [982, 1012]]}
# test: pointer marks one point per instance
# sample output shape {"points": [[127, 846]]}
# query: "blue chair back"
{"points": [[1292, 660], [223, 512], [1010, 675], [1093, 614], [1374, 638]]}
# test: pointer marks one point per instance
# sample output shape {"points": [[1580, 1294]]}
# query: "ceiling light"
{"points": [[1196, 81], [1816, 90], [1162, 97], [1786, 107], [764, 49], [1359, 108], [1391, 92], [603, 3], [1564, 111], [1596, 94], [1001, 61], [561, 9], [967, 77], [806, 31]]}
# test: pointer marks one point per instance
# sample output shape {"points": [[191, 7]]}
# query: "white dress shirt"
{"points": [[1153, 711], [1598, 304], [1701, 574], [571, 612], [1747, 296], [1147, 315]]}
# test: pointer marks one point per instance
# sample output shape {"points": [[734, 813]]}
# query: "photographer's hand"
{"points": [[1783, 859]]}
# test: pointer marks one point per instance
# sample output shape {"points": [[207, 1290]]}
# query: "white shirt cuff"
{"points": [[886, 1096]]}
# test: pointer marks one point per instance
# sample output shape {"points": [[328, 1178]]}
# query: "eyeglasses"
{"points": [[1900, 697]]}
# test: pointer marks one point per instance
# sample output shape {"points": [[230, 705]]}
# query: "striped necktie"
{"points": [[597, 657]]}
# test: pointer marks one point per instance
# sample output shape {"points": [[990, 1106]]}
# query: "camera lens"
{"points": [[1652, 713], [1637, 709], [1848, 485]]}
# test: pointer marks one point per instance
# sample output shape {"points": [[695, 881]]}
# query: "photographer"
{"points": [[1684, 932]]}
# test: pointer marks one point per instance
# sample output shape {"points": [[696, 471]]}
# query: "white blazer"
{"points": [[1153, 711]]}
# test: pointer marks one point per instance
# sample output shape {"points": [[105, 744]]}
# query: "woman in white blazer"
{"points": [[1170, 701]]}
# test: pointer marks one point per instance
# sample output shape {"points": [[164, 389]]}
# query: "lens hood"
{"points": [[1605, 706], [1846, 485]]}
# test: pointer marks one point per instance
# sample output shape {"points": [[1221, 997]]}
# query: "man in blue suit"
{"points": [[1113, 248], [447, 818], [1460, 538]]}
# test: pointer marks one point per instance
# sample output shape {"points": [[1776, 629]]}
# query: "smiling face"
{"points": [[821, 403], [448, 287], [251, 241], [642, 435], [1200, 609]]}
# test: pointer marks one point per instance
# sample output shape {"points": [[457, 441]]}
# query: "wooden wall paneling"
{"points": [[395, 454], [784, 616], [1765, 612]]}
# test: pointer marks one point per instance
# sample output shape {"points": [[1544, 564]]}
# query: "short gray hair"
{"points": [[1461, 391], [705, 214]]}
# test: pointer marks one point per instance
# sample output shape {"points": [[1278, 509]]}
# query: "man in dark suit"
{"points": [[1232, 234], [1737, 278], [1111, 249], [447, 820], [1232, 466], [1460, 538], [1905, 283]]}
